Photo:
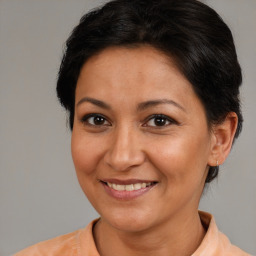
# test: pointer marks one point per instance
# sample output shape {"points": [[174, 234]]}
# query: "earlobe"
{"points": [[223, 136]]}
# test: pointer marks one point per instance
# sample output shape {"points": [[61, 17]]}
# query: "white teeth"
{"points": [[137, 186], [130, 187], [120, 187], [143, 185]]}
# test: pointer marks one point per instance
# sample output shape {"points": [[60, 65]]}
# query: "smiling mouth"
{"points": [[129, 187]]}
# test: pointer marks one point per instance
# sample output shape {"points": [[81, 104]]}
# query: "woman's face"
{"points": [[140, 142]]}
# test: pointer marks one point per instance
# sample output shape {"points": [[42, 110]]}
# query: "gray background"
{"points": [[39, 195]]}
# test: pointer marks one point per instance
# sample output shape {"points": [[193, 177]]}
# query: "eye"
{"points": [[95, 120], [159, 121]]}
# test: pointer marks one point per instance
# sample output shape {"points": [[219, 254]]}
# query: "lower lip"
{"points": [[126, 195]]}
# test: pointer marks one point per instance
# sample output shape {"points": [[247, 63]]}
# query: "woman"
{"points": [[152, 89]]}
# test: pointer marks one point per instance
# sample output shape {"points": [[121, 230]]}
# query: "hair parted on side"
{"points": [[189, 32]]}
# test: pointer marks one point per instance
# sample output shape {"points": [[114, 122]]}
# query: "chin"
{"points": [[130, 221]]}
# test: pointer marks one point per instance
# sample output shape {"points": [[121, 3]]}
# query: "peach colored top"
{"points": [[81, 243]]}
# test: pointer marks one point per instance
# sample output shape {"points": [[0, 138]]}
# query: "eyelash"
{"points": [[85, 119], [162, 118]]}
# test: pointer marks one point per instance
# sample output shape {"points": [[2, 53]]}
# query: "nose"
{"points": [[125, 150]]}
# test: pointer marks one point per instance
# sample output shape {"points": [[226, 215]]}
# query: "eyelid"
{"points": [[87, 116], [171, 120]]}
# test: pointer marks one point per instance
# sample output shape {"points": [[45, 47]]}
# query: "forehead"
{"points": [[133, 75], [132, 67]]}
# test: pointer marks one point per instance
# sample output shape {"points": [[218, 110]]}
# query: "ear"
{"points": [[222, 139]]}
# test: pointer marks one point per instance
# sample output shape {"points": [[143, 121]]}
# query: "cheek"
{"points": [[181, 159], [84, 154], [85, 158]]}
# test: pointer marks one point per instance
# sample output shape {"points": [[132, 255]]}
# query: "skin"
{"points": [[128, 144]]}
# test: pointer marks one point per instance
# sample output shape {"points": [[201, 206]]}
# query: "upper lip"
{"points": [[126, 182]]}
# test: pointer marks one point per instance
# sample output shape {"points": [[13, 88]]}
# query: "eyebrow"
{"points": [[98, 103], [153, 103], [141, 106]]}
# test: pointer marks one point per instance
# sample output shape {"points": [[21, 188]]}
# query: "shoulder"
{"points": [[77, 243], [215, 243], [65, 245], [228, 248]]}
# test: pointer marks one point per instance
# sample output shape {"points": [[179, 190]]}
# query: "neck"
{"points": [[174, 237]]}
